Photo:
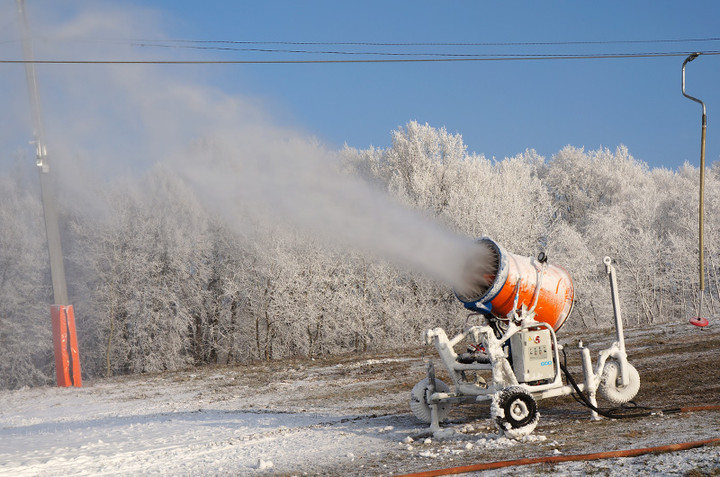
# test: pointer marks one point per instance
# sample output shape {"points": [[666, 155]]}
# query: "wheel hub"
{"points": [[519, 410]]}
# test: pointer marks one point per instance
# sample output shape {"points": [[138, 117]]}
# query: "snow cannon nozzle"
{"points": [[480, 271], [494, 279]]}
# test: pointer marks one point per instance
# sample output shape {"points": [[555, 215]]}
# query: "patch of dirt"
{"points": [[679, 366]]}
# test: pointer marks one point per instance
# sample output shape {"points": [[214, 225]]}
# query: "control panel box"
{"points": [[532, 355]]}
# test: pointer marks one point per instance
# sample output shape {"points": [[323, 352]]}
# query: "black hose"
{"points": [[622, 411], [612, 413]]}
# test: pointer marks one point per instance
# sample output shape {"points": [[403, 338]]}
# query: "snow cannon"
{"points": [[498, 283], [512, 356]]}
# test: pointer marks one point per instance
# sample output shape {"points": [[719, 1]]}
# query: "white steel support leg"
{"points": [[621, 356], [434, 419], [590, 382]]}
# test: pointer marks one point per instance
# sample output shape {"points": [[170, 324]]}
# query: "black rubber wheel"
{"points": [[515, 411]]}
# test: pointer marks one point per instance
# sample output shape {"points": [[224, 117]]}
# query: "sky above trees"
{"points": [[500, 108]]}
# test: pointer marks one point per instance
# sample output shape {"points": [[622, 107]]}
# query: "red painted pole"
{"points": [[74, 349], [67, 354], [60, 336]]}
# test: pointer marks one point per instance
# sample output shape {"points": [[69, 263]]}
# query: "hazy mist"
{"points": [[109, 121]]}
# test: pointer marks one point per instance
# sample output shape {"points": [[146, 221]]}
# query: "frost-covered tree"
{"points": [[582, 182], [143, 253], [160, 283], [25, 293]]}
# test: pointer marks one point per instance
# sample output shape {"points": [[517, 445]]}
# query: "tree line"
{"points": [[159, 283]]}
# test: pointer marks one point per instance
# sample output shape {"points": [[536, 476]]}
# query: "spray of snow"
{"points": [[292, 180], [112, 120]]}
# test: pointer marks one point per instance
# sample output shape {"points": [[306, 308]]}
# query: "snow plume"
{"points": [[122, 119], [286, 178]]}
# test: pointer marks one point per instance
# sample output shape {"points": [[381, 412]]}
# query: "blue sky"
{"points": [[499, 107]]}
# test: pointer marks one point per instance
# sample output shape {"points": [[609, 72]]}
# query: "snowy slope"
{"points": [[343, 417]]}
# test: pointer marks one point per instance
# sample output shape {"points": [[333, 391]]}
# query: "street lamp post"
{"points": [[701, 218]]}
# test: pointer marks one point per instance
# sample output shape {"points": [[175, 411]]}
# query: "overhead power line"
{"points": [[236, 45], [256, 46], [487, 57], [368, 53], [370, 43], [402, 51]]}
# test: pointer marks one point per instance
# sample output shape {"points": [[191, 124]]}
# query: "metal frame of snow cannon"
{"points": [[614, 377]]}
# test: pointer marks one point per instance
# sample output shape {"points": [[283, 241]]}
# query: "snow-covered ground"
{"points": [[348, 416]]}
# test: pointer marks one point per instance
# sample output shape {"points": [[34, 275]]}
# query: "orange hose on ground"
{"points": [[700, 408], [563, 458]]}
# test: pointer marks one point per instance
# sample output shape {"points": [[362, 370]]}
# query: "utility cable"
{"points": [[372, 43], [406, 54], [498, 57], [241, 45]]}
